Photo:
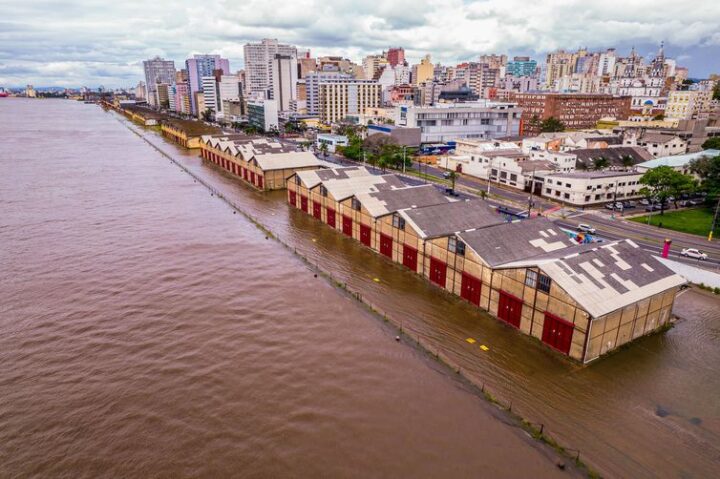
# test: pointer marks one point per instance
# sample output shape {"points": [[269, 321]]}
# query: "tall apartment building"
{"points": [[198, 67], [686, 105], [209, 88], [283, 85], [312, 88], [481, 77], [395, 56], [157, 71], [452, 121], [521, 67], [258, 64], [424, 71], [575, 111], [372, 64], [140, 91], [338, 98], [559, 64], [230, 91]]}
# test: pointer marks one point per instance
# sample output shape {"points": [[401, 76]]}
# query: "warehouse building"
{"points": [[187, 133]]}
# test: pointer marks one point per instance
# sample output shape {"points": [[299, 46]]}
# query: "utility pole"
{"points": [[714, 221], [404, 158], [614, 200], [530, 198]]}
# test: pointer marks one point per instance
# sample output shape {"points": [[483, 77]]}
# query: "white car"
{"points": [[693, 253], [586, 228]]}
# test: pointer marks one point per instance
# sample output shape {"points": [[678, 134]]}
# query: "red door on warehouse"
{"points": [[303, 203], [386, 245], [557, 333], [365, 236], [410, 257], [317, 209], [292, 198], [438, 271], [330, 216], [347, 225], [510, 309], [470, 288]]}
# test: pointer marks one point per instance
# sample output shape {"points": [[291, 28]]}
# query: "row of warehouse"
{"points": [[582, 300]]}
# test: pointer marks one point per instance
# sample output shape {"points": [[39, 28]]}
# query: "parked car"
{"points": [[695, 202], [446, 175], [610, 206], [693, 253], [684, 203], [644, 202], [653, 207], [628, 204], [586, 228]]}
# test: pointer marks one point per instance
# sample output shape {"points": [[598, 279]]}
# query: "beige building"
{"points": [[339, 98], [686, 105], [423, 72]]}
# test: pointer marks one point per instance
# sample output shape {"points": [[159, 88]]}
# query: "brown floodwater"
{"points": [[650, 410], [148, 331]]}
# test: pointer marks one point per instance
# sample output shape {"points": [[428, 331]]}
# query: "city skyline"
{"points": [[77, 46]]}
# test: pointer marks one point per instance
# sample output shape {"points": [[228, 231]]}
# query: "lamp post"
{"points": [[714, 221]]}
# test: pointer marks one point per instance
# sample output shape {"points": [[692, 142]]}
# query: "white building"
{"points": [[312, 88], [582, 188], [564, 162], [210, 94], [263, 114], [656, 144], [332, 141], [685, 105], [258, 64], [229, 90], [452, 121], [283, 88]]}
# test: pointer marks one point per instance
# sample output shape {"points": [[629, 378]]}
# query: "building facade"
{"points": [[259, 62], [157, 70], [339, 98]]}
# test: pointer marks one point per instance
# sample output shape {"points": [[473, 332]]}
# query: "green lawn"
{"points": [[696, 221]]}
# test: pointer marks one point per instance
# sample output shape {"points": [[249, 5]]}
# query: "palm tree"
{"points": [[627, 161], [324, 149], [452, 177]]}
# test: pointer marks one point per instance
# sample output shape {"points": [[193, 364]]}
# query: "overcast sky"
{"points": [[92, 42]]}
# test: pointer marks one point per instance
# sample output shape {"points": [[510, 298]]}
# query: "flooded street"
{"points": [[650, 410], [148, 331]]}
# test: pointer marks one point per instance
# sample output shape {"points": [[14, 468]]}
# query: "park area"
{"points": [[696, 221]]}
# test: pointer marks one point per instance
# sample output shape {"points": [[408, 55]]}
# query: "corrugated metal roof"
{"points": [[345, 188], [677, 161], [380, 203], [282, 161]]}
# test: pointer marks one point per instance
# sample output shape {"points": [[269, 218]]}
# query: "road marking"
{"points": [[470, 340], [484, 348]]}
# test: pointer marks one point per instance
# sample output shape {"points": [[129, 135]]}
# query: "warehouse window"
{"points": [[398, 222], [531, 278], [456, 246], [323, 190], [355, 204], [297, 180], [544, 283]]}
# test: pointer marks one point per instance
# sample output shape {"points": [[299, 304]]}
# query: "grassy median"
{"points": [[695, 221]]}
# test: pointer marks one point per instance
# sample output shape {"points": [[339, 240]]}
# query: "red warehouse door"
{"points": [[557, 333], [510, 309], [303, 203], [292, 198], [317, 208], [470, 289], [410, 257], [252, 177], [438, 270], [260, 181], [245, 174], [330, 216], [386, 245], [347, 225], [365, 235]]}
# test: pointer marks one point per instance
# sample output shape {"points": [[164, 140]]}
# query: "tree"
{"points": [[627, 161], [659, 117], [716, 90], [207, 115], [600, 162], [324, 149], [708, 169], [661, 182], [681, 184], [552, 124], [712, 143]]}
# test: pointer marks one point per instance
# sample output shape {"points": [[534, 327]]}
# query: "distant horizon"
{"points": [[84, 45]]}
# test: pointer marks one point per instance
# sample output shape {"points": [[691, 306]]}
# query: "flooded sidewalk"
{"points": [[648, 410]]}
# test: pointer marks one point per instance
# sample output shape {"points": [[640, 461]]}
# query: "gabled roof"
{"points": [[342, 189], [519, 240], [614, 155], [283, 161], [603, 279], [448, 218], [677, 161], [383, 202], [312, 178]]}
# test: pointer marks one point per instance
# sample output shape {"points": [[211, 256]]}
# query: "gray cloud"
{"points": [[93, 42]]}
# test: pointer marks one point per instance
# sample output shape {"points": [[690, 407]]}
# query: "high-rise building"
{"points": [[312, 88], [521, 67], [200, 66], [339, 98], [395, 56], [157, 71], [140, 91], [283, 84], [372, 64], [424, 71], [210, 93], [229, 92], [481, 78], [258, 65]]}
